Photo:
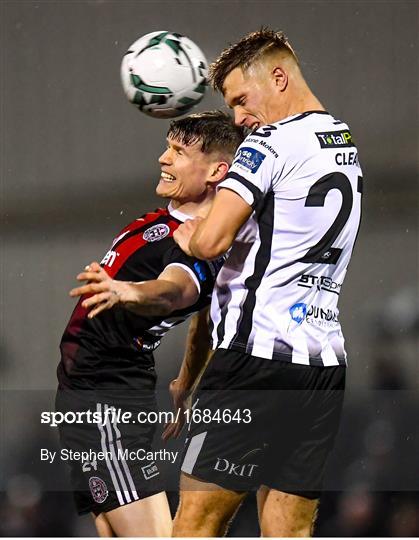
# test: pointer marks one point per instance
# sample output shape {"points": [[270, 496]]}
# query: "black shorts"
{"points": [[263, 422], [110, 461]]}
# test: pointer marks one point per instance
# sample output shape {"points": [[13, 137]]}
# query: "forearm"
{"points": [[215, 234], [157, 297], [174, 289], [197, 351], [206, 244]]}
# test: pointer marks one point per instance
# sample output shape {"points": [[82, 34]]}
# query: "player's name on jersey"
{"points": [[91, 456], [347, 158]]}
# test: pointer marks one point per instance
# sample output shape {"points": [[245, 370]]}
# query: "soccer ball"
{"points": [[164, 74]]}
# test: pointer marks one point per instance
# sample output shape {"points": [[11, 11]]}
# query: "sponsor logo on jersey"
{"points": [[314, 315], [322, 283], [98, 489], [156, 232], [264, 144], [109, 258], [200, 270], [322, 317], [150, 470], [335, 139], [246, 469], [298, 312], [249, 158]]}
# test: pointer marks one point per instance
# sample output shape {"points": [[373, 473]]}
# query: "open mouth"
{"points": [[166, 177]]}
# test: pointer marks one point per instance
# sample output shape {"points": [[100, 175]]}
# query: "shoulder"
{"points": [[308, 131], [152, 226], [259, 147]]}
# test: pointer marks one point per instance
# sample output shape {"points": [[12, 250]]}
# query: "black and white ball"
{"points": [[164, 74]]}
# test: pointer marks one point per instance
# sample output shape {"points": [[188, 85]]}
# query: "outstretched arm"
{"points": [[174, 289]]}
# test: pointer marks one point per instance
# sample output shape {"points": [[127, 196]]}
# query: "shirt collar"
{"points": [[177, 214]]}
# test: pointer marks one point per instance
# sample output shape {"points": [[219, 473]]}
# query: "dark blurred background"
{"points": [[78, 163]]}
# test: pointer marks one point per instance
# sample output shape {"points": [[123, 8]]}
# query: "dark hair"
{"points": [[246, 52], [214, 129]]}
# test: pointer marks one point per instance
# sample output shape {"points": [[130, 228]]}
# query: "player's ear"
{"points": [[280, 77], [218, 172]]}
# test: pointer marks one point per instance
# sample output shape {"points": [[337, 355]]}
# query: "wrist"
{"points": [[128, 292]]}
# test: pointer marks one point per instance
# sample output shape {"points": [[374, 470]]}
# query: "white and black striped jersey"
{"points": [[276, 296]]}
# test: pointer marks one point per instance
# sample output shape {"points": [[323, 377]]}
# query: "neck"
{"points": [[193, 209], [299, 102]]}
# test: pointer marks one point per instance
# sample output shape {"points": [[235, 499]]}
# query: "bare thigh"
{"points": [[149, 517], [204, 509], [103, 527], [285, 515]]}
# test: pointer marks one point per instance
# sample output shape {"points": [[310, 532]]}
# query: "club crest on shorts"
{"points": [[156, 232], [98, 489]]}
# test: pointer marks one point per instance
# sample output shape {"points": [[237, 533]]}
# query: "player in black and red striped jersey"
{"points": [[143, 286]]}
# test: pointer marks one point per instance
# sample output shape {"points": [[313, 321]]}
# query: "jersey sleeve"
{"points": [[204, 273], [253, 169]]}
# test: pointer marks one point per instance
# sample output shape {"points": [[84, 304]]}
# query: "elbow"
{"points": [[172, 301], [163, 308], [169, 303]]}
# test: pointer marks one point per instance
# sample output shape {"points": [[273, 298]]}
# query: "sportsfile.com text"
{"points": [[118, 416]]}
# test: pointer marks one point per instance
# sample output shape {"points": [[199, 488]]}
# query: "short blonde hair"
{"points": [[246, 52]]}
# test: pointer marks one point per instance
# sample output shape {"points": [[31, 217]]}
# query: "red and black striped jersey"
{"points": [[115, 347]]}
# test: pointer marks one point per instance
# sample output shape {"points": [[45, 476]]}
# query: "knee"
{"points": [[301, 529], [288, 516]]}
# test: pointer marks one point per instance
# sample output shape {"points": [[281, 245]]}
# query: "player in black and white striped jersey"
{"points": [[301, 241], [290, 211]]}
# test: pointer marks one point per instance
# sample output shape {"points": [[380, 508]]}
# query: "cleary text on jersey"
{"points": [[277, 293]]}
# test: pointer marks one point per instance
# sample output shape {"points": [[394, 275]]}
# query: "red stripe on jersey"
{"points": [[140, 222], [126, 247], [124, 251]]}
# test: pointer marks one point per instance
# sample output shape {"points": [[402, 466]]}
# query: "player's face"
{"points": [[252, 96], [184, 172]]}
